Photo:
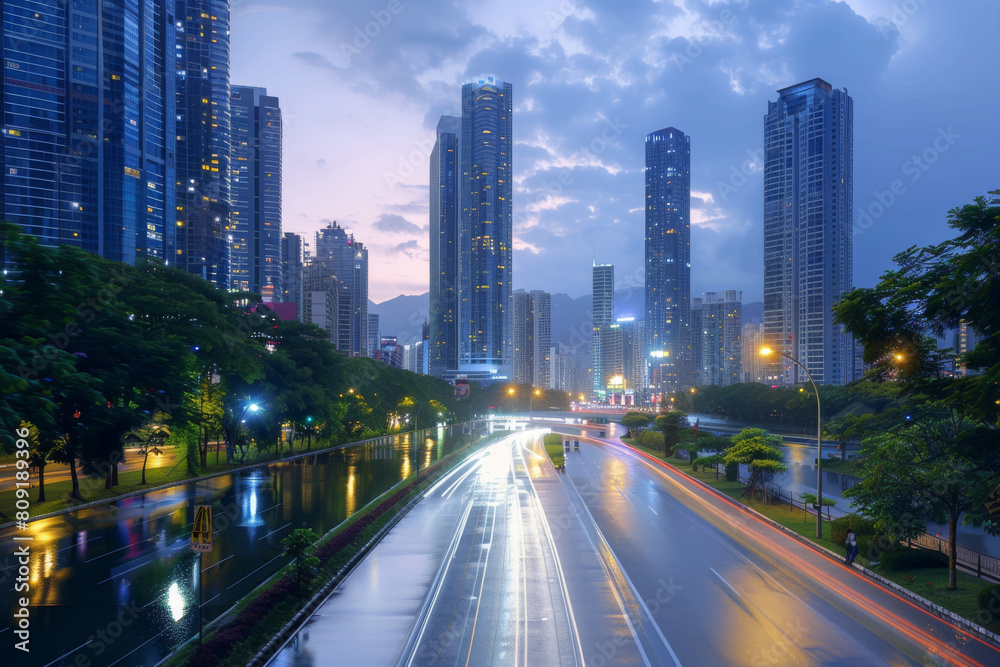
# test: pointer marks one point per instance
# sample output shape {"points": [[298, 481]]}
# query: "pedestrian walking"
{"points": [[851, 543]]}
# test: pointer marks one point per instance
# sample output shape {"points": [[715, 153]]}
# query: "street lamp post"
{"points": [[819, 440], [537, 392]]}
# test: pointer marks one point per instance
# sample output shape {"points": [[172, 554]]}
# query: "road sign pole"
{"points": [[201, 620]]}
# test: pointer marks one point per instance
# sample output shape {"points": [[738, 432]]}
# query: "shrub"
{"points": [[912, 559], [732, 472], [863, 527], [988, 597]]}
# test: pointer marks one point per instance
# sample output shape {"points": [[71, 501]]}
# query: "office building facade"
{"points": [[532, 337], [753, 365], [668, 260], [486, 229], [718, 338], [603, 306], [444, 243], [88, 141], [808, 245], [291, 270], [348, 259], [204, 141], [255, 249]]}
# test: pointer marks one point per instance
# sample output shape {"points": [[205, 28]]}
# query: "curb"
{"points": [[960, 622]]}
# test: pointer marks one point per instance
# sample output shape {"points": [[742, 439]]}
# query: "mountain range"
{"points": [[572, 321]]}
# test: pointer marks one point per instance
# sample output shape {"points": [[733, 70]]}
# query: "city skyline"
{"points": [[706, 72]]}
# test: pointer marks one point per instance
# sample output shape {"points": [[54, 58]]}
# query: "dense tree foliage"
{"points": [[932, 454], [95, 353]]}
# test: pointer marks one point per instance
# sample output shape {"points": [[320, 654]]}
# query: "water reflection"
{"points": [[175, 602], [93, 564]]}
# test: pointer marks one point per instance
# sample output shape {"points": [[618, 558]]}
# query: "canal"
{"points": [[118, 584]]}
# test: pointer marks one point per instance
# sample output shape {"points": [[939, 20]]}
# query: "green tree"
{"points": [[670, 425], [634, 422], [937, 468], [757, 449], [299, 545], [150, 437]]}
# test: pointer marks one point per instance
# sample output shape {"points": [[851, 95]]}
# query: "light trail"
{"points": [[906, 628]]}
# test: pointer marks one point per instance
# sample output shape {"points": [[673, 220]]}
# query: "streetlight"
{"points": [[766, 351], [537, 392]]}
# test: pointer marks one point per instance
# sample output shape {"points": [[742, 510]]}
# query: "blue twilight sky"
{"points": [[591, 78]]}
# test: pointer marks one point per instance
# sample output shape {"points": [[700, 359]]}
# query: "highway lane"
{"points": [[739, 592], [500, 597], [505, 571]]}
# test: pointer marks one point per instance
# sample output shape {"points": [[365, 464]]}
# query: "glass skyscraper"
{"points": [[347, 259], [486, 234], [668, 260], [256, 192], [603, 296], [291, 270], [444, 240], [203, 138], [88, 140], [808, 246]]}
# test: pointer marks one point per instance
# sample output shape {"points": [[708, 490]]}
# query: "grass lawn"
{"points": [[554, 448]]}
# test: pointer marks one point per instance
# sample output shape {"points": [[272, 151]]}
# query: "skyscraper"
{"points": [[603, 295], [348, 259], [256, 191], [486, 233], [521, 333], [291, 270], [321, 304], [374, 335], [532, 337], [203, 138], [808, 247], [444, 241], [668, 260], [359, 301], [88, 136], [752, 363], [541, 337], [719, 339]]}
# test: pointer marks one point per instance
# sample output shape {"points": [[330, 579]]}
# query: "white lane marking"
{"points": [[274, 531], [120, 574], [77, 544], [219, 563], [723, 580], [138, 647], [567, 602], [258, 569], [628, 580]]}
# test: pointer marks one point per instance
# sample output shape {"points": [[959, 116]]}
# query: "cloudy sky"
{"points": [[591, 78]]}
